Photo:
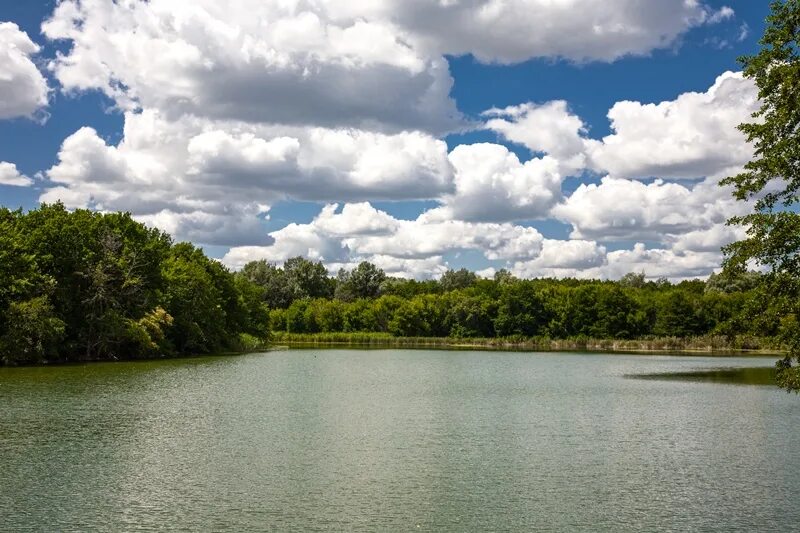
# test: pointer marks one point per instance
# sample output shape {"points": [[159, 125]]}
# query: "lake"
{"points": [[400, 440]]}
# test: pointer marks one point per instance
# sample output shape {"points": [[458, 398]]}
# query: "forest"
{"points": [[82, 285], [303, 299]]}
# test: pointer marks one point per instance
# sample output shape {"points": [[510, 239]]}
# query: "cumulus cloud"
{"points": [[278, 62], [192, 173], [550, 128], [366, 64], [341, 238], [561, 258], [230, 107], [620, 209], [355, 219], [509, 31], [657, 263], [360, 231], [693, 136], [654, 262], [322, 164], [9, 175], [23, 89], [491, 184], [225, 226], [710, 239]]}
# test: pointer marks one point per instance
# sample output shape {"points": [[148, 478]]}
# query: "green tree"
{"points": [[457, 279], [31, 331], [677, 316], [28, 327], [276, 291], [194, 302], [521, 310], [307, 279], [471, 316], [364, 281], [636, 280], [78, 285], [772, 177]]}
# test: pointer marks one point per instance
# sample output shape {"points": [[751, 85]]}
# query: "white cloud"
{"points": [[693, 136], [724, 13], [559, 257], [190, 172], [655, 263], [491, 184], [415, 248], [355, 219], [23, 89], [255, 61], [427, 268], [620, 209], [710, 239], [9, 175], [509, 31], [366, 64], [229, 225], [658, 262], [232, 106], [420, 238], [360, 231], [548, 128]]}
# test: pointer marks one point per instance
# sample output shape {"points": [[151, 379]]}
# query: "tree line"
{"points": [[81, 285], [303, 299]]}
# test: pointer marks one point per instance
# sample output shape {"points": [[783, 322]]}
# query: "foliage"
{"points": [[772, 177], [457, 279], [506, 307], [307, 279], [81, 285], [363, 282]]}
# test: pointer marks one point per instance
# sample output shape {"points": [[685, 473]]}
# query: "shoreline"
{"points": [[713, 346], [289, 341]]}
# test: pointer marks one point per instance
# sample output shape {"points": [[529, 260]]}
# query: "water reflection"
{"points": [[397, 440], [735, 376]]}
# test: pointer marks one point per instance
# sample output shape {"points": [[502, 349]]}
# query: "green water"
{"points": [[397, 440]]}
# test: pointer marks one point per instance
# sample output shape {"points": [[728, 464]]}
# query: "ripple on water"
{"points": [[398, 440]]}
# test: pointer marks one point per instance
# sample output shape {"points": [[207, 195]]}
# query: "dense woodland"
{"points": [[303, 299], [81, 285]]}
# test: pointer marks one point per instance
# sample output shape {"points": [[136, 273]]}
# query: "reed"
{"points": [[701, 344]]}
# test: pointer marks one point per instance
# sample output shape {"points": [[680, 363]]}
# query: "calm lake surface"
{"points": [[399, 440]]}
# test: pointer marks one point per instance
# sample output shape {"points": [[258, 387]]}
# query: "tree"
{"points": [[31, 333], [363, 282], [521, 311], [677, 316], [636, 280], [772, 177], [275, 289], [28, 327], [307, 279], [733, 280], [457, 279], [470, 316], [82, 285], [194, 302]]}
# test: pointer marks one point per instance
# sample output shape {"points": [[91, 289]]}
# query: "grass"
{"points": [[703, 344]]}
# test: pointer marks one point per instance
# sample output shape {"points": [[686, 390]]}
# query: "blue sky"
{"points": [[689, 58]]}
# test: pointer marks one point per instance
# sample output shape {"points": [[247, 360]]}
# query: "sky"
{"points": [[566, 138]]}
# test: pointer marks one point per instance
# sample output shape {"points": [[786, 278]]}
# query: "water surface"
{"points": [[397, 440]]}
